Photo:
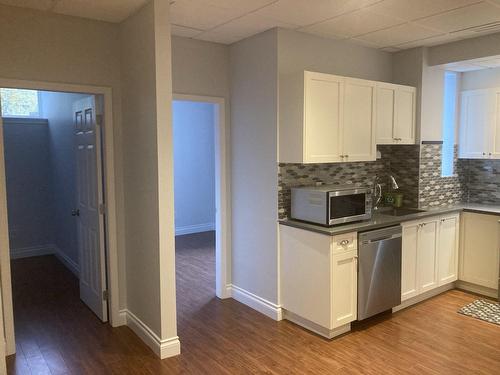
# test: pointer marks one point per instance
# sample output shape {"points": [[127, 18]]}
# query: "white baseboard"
{"points": [[316, 328], [31, 251], [424, 296], [67, 261], [163, 348], [478, 289], [189, 229], [260, 304], [122, 318]]}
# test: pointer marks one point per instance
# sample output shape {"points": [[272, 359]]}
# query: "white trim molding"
{"points": [[260, 304], [67, 261], [32, 251], [197, 228], [163, 348]]}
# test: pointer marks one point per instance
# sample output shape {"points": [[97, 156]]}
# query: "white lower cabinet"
{"points": [[319, 280], [479, 251], [429, 254]]}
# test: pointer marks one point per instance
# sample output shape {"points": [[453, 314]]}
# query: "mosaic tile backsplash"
{"points": [[417, 170], [401, 161], [482, 178], [434, 190]]}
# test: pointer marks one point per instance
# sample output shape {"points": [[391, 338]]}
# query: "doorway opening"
{"points": [[52, 148], [201, 208]]}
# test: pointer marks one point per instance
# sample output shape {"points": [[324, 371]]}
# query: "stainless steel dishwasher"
{"points": [[379, 271]]}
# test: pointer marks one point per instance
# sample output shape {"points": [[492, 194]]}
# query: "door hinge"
{"points": [[105, 295], [102, 208]]}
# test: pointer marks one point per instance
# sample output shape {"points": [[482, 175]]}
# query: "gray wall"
{"points": [[480, 79], [148, 178], [49, 47], [194, 166], [254, 90], [29, 184], [57, 108]]}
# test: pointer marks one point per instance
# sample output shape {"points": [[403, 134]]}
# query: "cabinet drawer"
{"points": [[345, 242]]}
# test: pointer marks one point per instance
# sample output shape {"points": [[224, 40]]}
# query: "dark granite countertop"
{"points": [[379, 220]]}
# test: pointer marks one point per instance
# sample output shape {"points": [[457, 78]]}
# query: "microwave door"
{"points": [[346, 208]]}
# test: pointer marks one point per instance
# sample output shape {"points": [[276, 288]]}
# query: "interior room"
{"points": [[48, 168], [285, 187], [194, 191]]}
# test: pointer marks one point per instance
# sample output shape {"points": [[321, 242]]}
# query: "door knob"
{"points": [[75, 212]]}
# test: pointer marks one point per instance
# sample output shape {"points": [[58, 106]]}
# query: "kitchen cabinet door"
{"points": [[344, 288], [359, 120], [448, 249], [475, 124], [479, 249], [404, 115], [427, 256], [409, 275], [494, 150], [385, 114], [323, 113]]}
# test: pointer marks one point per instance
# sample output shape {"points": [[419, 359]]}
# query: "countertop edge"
{"points": [[387, 220]]}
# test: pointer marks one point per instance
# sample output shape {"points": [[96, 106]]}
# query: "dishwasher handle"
{"points": [[372, 240]]}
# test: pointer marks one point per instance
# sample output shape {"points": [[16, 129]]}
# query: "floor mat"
{"points": [[484, 310]]}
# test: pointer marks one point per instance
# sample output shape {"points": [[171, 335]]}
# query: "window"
{"points": [[19, 103], [449, 123]]}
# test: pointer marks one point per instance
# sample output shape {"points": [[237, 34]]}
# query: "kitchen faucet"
{"points": [[377, 189]]}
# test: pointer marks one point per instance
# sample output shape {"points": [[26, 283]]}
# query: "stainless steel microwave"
{"points": [[331, 204]]}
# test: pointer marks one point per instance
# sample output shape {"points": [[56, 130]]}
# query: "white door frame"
{"points": [[109, 188], [222, 194]]}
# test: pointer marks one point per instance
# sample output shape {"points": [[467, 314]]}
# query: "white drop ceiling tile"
{"points": [[246, 26], [199, 15], [186, 32], [414, 9], [34, 4], [109, 10], [244, 6], [354, 23], [463, 18], [397, 35], [306, 12]]}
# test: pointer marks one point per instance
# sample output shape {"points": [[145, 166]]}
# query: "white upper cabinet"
{"points": [[359, 120], [325, 118], [480, 124], [395, 114]]}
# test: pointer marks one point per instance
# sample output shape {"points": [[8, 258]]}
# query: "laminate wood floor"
{"points": [[57, 334]]}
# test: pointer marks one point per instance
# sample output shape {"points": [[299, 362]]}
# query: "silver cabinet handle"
{"points": [[344, 242]]}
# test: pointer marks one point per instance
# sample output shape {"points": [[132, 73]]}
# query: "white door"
{"points": [[494, 150], [344, 288], [385, 113], [475, 120], [409, 282], [404, 115], [427, 256], [89, 212], [359, 120], [323, 118], [448, 249]]}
